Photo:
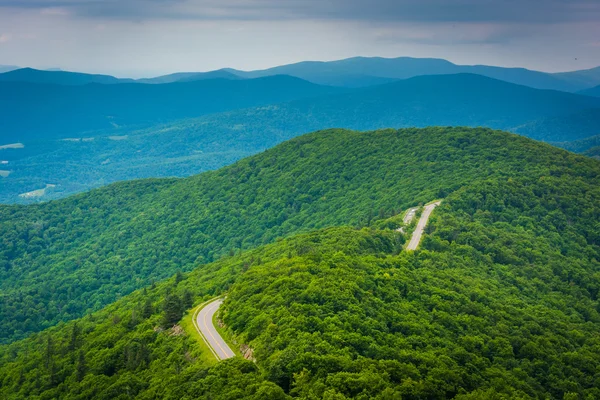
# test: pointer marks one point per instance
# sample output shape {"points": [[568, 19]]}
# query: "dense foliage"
{"points": [[131, 350], [187, 147], [61, 259], [502, 301], [593, 152]]}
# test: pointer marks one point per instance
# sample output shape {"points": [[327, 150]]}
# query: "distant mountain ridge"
{"points": [[595, 91], [185, 147], [408, 67], [586, 78], [190, 76], [31, 75], [353, 72]]}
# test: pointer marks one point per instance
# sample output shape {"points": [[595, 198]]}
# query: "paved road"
{"points": [[204, 325], [416, 236]]}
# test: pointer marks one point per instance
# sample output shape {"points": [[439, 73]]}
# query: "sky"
{"points": [[140, 38]]}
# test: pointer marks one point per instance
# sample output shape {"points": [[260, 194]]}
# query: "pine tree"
{"points": [[147, 310], [81, 367], [74, 337], [178, 277], [188, 299], [50, 360], [172, 310]]}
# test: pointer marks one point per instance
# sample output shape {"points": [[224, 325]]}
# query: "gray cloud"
{"points": [[150, 37], [496, 11]]}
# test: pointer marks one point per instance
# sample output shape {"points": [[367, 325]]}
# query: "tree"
{"points": [[81, 367], [188, 299], [74, 337], [178, 277], [172, 310], [148, 309]]}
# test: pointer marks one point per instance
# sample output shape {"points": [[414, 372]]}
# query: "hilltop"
{"points": [[501, 301], [99, 245]]}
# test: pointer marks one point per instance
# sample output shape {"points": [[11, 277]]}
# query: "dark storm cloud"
{"points": [[498, 11]]}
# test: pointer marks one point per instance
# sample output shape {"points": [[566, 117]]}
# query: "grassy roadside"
{"points": [[187, 323]]}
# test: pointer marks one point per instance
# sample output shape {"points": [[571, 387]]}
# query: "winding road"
{"points": [[203, 321], [203, 318], [416, 236]]}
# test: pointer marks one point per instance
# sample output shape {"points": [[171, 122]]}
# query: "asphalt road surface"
{"points": [[416, 236], [204, 324]]}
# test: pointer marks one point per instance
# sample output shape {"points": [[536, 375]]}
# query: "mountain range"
{"points": [[31, 111], [364, 71], [352, 72], [76, 161]]}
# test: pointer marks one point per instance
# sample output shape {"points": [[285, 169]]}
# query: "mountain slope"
{"points": [[500, 302], [580, 146], [584, 78], [352, 72], [108, 242], [462, 99], [595, 91], [35, 111], [593, 152], [31, 75]]}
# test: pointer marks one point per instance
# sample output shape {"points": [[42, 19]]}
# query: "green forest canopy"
{"points": [[62, 259], [500, 302]]}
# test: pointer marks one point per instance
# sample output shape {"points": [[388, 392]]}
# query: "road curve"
{"points": [[206, 328], [416, 236]]}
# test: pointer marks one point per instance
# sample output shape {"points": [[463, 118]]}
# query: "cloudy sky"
{"points": [[149, 37]]}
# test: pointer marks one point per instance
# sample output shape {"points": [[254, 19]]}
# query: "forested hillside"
{"points": [[501, 301], [62, 259], [188, 147], [580, 146]]}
